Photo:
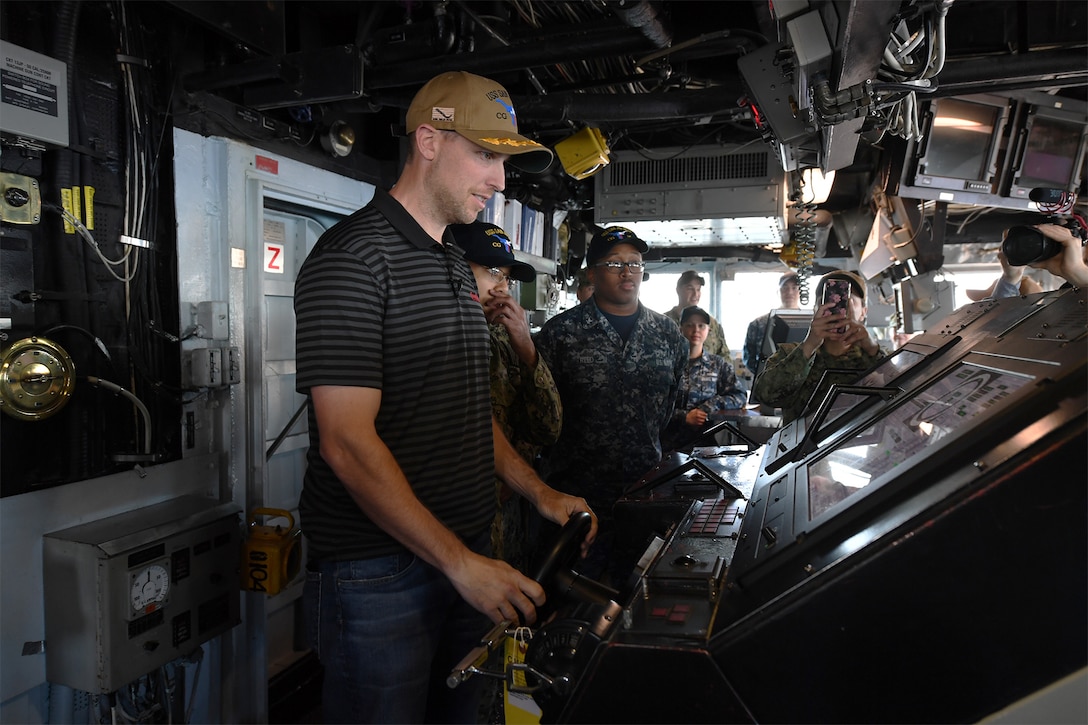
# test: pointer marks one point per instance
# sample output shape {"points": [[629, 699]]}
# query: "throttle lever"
{"points": [[472, 662]]}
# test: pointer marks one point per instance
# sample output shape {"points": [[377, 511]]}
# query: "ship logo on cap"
{"points": [[499, 239], [509, 109], [617, 233]]}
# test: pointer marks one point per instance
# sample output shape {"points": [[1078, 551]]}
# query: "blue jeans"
{"points": [[388, 630]]}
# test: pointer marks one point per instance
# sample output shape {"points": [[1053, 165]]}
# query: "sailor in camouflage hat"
{"points": [[795, 371], [524, 399]]}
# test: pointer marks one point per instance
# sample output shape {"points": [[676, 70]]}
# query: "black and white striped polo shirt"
{"points": [[380, 304]]}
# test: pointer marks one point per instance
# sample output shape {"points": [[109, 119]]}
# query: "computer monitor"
{"points": [[1050, 149], [961, 144], [783, 326]]}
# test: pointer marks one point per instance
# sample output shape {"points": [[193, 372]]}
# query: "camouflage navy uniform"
{"points": [[526, 404], [715, 338], [709, 384], [617, 399], [753, 341], [789, 380]]}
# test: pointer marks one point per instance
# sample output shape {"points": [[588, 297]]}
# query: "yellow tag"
{"points": [[66, 202], [520, 708], [88, 195], [77, 204]]}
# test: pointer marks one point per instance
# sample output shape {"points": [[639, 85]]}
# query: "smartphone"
{"points": [[837, 292]]}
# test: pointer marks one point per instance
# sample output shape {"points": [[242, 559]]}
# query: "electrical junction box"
{"points": [[33, 95], [212, 320], [129, 593], [810, 43]]}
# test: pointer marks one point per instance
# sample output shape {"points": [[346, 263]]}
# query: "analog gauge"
{"points": [[150, 586]]}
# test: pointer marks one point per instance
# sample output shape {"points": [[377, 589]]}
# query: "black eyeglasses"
{"points": [[619, 267]]}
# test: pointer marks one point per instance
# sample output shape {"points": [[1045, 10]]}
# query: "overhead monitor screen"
{"points": [[960, 140], [924, 420], [1050, 153]]}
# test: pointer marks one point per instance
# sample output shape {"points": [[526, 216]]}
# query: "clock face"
{"points": [[150, 586]]}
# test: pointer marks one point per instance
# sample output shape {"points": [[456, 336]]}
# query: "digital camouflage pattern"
{"points": [[753, 341], [526, 404], [709, 384], [715, 337], [789, 380], [617, 399]]}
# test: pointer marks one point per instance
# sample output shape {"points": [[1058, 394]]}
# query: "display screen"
{"points": [[930, 416], [1050, 154], [880, 376], [785, 326], [960, 140]]}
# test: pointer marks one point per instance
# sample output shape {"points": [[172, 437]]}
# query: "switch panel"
{"points": [[204, 368], [232, 366]]}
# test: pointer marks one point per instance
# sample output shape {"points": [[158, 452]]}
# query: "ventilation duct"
{"points": [[693, 197]]}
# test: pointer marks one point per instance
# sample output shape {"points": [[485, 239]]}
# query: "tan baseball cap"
{"points": [[479, 109]]}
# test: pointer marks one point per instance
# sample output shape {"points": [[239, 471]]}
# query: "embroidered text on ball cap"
{"points": [[509, 109]]}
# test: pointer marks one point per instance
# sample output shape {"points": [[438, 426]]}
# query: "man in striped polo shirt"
{"points": [[398, 495]]}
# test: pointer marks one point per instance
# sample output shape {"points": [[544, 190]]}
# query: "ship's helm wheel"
{"points": [[564, 550]]}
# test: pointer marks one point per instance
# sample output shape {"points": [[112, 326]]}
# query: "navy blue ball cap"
{"points": [[694, 311], [604, 240], [490, 246]]}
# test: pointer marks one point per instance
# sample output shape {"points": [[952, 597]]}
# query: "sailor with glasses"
{"points": [[524, 399], [617, 365]]}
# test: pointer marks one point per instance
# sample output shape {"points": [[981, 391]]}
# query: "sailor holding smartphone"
{"points": [[837, 341]]}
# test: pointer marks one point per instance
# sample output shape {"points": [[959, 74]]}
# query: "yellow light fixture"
{"points": [[583, 154]]}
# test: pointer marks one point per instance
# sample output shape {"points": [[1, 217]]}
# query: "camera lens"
{"points": [[1024, 245]]}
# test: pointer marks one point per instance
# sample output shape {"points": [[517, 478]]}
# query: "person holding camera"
{"points": [[837, 341], [1068, 262], [1055, 248]]}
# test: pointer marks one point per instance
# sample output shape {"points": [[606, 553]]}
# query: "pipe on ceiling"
{"points": [[619, 107], [588, 43], [1039, 69]]}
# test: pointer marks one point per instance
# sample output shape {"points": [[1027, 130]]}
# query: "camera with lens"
{"points": [[1025, 245]]}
